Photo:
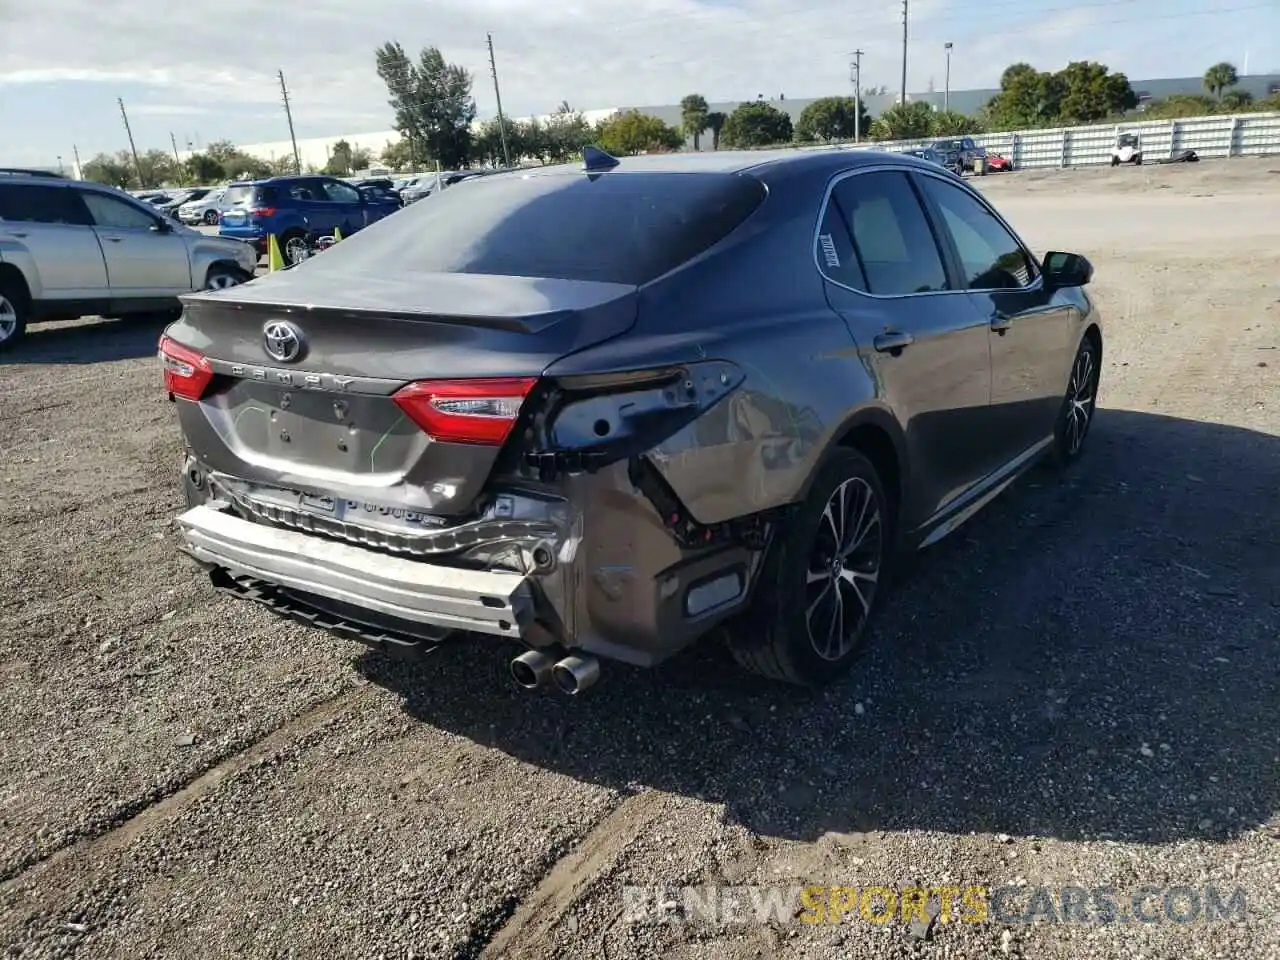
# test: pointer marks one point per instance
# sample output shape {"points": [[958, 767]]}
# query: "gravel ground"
{"points": [[1080, 687]]}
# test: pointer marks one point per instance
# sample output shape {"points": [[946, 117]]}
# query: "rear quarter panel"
{"points": [[757, 301], [14, 253]]}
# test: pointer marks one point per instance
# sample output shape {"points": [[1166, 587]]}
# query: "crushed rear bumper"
{"points": [[399, 588]]}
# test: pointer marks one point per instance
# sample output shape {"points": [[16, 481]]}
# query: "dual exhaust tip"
{"points": [[571, 674]]}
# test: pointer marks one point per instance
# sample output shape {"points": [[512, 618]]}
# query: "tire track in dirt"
{"points": [[530, 925], [39, 873]]}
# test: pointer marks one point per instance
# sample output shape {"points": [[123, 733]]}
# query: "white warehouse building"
{"points": [[315, 151]]}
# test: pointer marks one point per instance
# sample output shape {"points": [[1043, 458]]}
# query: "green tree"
{"points": [[1219, 77], [339, 164], [396, 155], [281, 166], [632, 132], [1092, 93], [756, 124], [1180, 105], [158, 168], [566, 133], [1027, 98], [361, 158], [432, 101], [832, 118], [236, 164], [1236, 101], [486, 146], [693, 117], [202, 168], [715, 123], [113, 171], [948, 123], [903, 121]]}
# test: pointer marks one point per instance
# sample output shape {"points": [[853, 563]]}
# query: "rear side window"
{"points": [[892, 240], [626, 228], [41, 204]]}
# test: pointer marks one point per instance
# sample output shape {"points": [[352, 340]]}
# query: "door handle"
{"points": [[892, 341], [114, 239], [1001, 323], [20, 236]]}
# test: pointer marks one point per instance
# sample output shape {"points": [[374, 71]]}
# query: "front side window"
{"points": [[991, 256], [892, 240], [115, 213], [340, 192]]}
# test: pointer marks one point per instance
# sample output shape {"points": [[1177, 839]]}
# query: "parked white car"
{"points": [[71, 249], [206, 210]]}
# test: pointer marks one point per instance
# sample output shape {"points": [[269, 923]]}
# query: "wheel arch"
{"points": [[223, 264], [11, 274], [875, 433]]}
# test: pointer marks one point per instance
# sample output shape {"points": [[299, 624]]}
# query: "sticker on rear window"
{"points": [[829, 251]]}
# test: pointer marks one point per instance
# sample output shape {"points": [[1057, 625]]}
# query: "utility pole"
{"points": [[176, 159], [904, 52], [502, 124], [857, 96], [61, 171], [288, 113], [75, 152], [134, 149], [946, 90]]}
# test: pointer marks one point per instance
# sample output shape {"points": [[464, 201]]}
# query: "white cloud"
{"points": [[607, 53]]}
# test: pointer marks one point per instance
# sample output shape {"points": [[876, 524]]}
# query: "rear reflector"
{"points": [[186, 372], [465, 411], [262, 212]]}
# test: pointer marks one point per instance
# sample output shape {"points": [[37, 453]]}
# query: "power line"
{"points": [[857, 95], [904, 52], [137, 163], [497, 94], [288, 112]]}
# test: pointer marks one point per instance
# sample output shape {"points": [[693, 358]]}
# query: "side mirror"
{"points": [[1066, 269], [161, 226]]}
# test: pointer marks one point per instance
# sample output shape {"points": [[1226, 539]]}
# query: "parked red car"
{"points": [[997, 163]]}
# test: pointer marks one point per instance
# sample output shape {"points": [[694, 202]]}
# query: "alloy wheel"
{"points": [[295, 250], [844, 569], [8, 318], [222, 281], [1081, 396]]}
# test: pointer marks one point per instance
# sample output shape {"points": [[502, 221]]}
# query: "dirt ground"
{"points": [[1080, 687]]}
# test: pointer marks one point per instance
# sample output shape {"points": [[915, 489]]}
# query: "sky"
{"points": [[206, 72]]}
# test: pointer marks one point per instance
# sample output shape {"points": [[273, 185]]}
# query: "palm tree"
{"points": [[693, 117], [1220, 76], [715, 123]]}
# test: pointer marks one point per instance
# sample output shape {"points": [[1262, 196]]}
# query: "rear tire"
{"points": [[293, 247], [821, 582], [15, 308]]}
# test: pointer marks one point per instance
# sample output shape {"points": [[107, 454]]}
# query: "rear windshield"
{"points": [[238, 194], [615, 228]]}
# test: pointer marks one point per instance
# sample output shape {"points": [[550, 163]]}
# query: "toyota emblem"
{"points": [[282, 341]]}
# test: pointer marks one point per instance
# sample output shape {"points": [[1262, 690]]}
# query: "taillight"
{"points": [[262, 212], [186, 372], [465, 411]]}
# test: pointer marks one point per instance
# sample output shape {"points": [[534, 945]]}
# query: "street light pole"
{"points": [[946, 95]]}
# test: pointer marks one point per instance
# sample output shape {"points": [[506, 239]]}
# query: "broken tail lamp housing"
{"points": [[479, 412], [187, 372]]}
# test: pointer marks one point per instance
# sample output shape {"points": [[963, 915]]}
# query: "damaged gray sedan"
{"points": [[602, 409]]}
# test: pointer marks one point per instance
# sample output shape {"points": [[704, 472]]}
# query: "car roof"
{"points": [[782, 161]]}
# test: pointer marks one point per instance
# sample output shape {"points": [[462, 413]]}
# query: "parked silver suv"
{"points": [[73, 249]]}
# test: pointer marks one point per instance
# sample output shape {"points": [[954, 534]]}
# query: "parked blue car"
{"points": [[298, 211]]}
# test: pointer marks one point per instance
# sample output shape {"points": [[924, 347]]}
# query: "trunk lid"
{"points": [[324, 425]]}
